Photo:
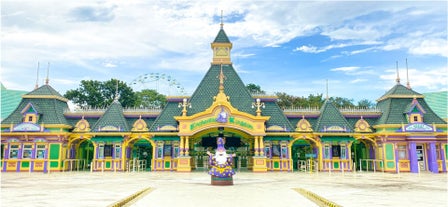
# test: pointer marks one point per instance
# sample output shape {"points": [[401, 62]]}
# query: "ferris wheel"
{"points": [[162, 83]]}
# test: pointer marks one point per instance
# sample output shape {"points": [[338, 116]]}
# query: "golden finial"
{"points": [[221, 80]]}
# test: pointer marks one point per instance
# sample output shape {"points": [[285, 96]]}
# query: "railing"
{"points": [[135, 165], [308, 165], [359, 109], [74, 164], [371, 164], [302, 109]]}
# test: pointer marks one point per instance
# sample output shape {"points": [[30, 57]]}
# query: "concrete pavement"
{"points": [[249, 189]]}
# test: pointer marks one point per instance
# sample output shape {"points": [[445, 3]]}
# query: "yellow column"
{"points": [[261, 142], [256, 148], [184, 161], [187, 145], [259, 160], [182, 147]]}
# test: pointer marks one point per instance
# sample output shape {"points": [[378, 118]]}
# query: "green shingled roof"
{"points": [[399, 89], [10, 99], [45, 90], [393, 108], [331, 116], [221, 37], [112, 117], [166, 117], [50, 110], [438, 102]]}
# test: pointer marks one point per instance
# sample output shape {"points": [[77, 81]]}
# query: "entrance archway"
{"points": [[363, 154], [236, 142], [139, 154], [301, 150]]}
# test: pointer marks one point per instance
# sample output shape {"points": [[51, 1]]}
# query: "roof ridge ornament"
{"points": [[222, 24], [408, 84], [37, 77], [398, 74]]}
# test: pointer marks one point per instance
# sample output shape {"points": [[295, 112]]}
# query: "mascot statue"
{"points": [[221, 165]]}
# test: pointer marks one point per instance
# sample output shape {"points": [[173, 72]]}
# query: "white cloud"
{"points": [[422, 79], [431, 47], [345, 69]]}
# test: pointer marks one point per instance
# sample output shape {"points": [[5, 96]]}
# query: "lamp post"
{"points": [[258, 104], [184, 104]]}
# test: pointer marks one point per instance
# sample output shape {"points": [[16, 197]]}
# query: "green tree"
{"points": [[254, 89], [342, 102], [95, 93], [150, 98], [364, 103]]}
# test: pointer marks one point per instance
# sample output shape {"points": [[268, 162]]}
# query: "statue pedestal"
{"points": [[184, 164], [221, 181], [260, 164]]}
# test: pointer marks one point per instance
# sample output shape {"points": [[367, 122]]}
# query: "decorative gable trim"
{"points": [[362, 126], [139, 125], [303, 125], [415, 105], [82, 126], [27, 109]]}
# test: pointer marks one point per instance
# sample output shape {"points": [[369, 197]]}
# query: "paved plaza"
{"points": [[249, 189]]}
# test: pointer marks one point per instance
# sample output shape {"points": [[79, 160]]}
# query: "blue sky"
{"points": [[283, 46]]}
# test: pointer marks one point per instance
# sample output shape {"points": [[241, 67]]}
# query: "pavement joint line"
{"points": [[319, 200], [132, 198]]}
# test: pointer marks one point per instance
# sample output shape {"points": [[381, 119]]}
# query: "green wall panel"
{"points": [[389, 152], [336, 165], [54, 164], [276, 165], [25, 164], [167, 164], [390, 164], [108, 164], [54, 151]]}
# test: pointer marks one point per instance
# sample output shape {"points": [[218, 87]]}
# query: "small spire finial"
{"points": [[222, 24], [47, 80], [327, 97], [37, 77], [408, 84], [398, 75]]}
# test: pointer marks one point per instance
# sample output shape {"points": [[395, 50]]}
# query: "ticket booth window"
{"points": [[101, 151], [27, 151], [336, 150], [167, 150], [343, 152], [108, 150], [118, 151], [327, 152], [14, 151], [402, 152], [40, 152]]}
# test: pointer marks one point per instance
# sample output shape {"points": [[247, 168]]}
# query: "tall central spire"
{"points": [[221, 46], [222, 24]]}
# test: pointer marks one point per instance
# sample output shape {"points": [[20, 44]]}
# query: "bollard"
{"points": [[29, 169], [374, 166], [329, 169], [102, 167], [342, 167], [360, 164], [398, 169], [354, 167]]}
